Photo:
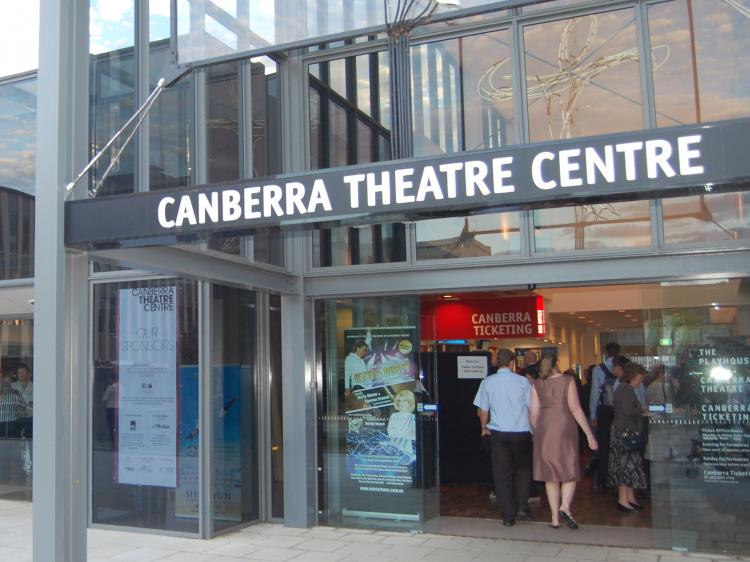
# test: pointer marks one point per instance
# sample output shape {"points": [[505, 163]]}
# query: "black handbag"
{"points": [[632, 440]]}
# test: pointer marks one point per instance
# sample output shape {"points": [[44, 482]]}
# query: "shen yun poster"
{"points": [[147, 420]]}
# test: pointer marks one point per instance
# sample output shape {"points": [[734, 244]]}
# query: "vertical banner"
{"points": [[188, 444], [227, 445], [147, 342], [381, 397]]}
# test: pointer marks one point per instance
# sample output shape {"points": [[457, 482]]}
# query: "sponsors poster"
{"points": [[382, 393], [188, 484], [722, 376], [147, 419]]}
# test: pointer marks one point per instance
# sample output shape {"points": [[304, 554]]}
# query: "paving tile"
{"points": [[274, 554], [320, 545]]}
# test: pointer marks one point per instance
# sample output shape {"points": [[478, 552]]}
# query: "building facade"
{"points": [[427, 185]]}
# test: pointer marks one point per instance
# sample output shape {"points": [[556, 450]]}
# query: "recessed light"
{"points": [[620, 311], [447, 296]]}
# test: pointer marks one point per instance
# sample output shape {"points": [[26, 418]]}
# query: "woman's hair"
{"points": [[407, 395], [630, 371], [547, 368]]}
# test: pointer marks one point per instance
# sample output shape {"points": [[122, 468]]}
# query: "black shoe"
{"points": [[509, 522], [524, 516], [551, 526], [569, 521], [636, 506], [626, 508]]}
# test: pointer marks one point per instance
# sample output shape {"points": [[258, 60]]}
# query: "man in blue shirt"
{"points": [[503, 408]]}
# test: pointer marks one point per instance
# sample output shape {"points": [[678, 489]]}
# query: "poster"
{"points": [[722, 375], [472, 367], [381, 396], [147, 419], [188, 444]]}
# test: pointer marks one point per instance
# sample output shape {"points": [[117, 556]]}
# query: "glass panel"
{"points": [[112, 87], [223, 116], [18, 135], [277, 418], [468, 237], [373, 426], [707, 218], [463, 97], [208, 29], [266, 117], [593, 227], [697, 74], [171, 126], [158, 19], [16, 235], [16, 407], [19, 35], [235, 447], [699, 443], [359, 245], [145, 398], [582, 76]]}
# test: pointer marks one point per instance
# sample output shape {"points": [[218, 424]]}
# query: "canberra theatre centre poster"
{"points": [[382, 391], [147, 420]]}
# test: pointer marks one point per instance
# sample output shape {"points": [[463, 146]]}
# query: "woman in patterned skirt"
{"points": [[626, 466]]}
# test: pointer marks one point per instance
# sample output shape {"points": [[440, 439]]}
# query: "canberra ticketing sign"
{"points": [[643, 164]]}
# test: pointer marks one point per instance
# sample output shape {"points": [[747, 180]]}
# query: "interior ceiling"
{"points": [[620, 307], [16, 302]]}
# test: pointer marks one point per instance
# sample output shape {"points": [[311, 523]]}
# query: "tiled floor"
{"points": [[276, 543]]}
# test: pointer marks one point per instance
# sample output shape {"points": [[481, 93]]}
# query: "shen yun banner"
{"points": [[147, 340]]}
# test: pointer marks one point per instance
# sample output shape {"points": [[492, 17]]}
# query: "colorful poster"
{"points": [[227, 447], [147, 419], [381, 397], [188, 484]]}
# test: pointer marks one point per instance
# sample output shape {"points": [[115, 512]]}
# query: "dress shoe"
{"points": [[569, 521], [636, 506], [551, 526], [509, 522], [524, 516], [626, 508]]}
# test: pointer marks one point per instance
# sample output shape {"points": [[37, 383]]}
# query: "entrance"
{"points": [[432, 474]]}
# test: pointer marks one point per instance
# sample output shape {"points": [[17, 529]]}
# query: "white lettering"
{"points": [[271, 198], [683, 148], [185, 212], [208, 207], [295, 191], [499, 173], [536, 171], [476, 173], [628, 149], [251, 201], [353, 182], [319, 196], [383, 188], [230, 205], [605, 167], [163, 212], [402, 184], [450, 171], [658, 153], [567, 167], [429, 183]]}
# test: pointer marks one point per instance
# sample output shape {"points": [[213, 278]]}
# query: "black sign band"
{"points": [[638, 165]]}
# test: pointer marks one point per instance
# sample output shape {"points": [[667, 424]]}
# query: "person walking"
{"points": [[554, 412], [627, 468], [503, 408]]}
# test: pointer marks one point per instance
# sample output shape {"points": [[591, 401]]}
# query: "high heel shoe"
{"points": [[627, 508], [569, 521]]}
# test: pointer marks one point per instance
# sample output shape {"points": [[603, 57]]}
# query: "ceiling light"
{"points": [[447, 296], [620, 311], [721, 374]]}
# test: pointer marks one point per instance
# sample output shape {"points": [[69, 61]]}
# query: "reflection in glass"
{"points": [[16, 408], [476, 236], [277, 419], [222, 113], [145, 398], [16, 235], [706, 76], [593, 227], [112, 88], [707, 218], [349, 124], [18, 135], [235, 447], [171, 125], [582, 76], [463, 98]]}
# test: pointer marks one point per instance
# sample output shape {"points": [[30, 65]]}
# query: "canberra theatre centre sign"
{"points": [[644, 164]]}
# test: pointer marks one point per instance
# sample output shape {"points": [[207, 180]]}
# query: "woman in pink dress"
{"points": [[554, 412]]}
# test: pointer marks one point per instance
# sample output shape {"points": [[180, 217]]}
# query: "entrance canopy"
{"points": [[636, 165]]}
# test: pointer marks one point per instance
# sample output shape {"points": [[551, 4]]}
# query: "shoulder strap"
{"points": [[606, 370]]}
